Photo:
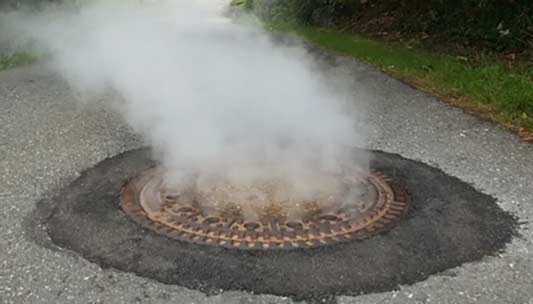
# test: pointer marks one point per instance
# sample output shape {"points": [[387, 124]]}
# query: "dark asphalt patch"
{"points": [[449, 223]]}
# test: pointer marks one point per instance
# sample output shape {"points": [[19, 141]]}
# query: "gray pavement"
{"points": [[47, 138]]}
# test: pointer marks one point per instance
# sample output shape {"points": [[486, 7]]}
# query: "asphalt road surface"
{"points": [[47, 138]]}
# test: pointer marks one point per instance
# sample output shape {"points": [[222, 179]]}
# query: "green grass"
{"points": [[8, 61], [488, 87]]}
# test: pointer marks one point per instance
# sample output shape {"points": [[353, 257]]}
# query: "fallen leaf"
{"points": [[525, 135]]}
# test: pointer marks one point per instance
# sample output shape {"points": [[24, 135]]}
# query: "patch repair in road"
{"points": [[448, 223]]}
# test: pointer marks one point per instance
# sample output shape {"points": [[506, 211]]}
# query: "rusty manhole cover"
{"points": [[204, 218]]}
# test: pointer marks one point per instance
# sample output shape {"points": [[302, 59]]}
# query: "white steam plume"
{"points": [[210, 95]]}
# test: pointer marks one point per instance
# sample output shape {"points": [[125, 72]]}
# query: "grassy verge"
{"points": [[8, 61], [487, 87]]}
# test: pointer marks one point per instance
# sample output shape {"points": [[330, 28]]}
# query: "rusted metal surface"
{"points": [[382, 203]]}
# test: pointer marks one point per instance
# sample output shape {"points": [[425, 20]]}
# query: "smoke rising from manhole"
{"points": [[217, 100]]}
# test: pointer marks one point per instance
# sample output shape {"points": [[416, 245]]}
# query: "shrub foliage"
{"points": [[496, 24]]}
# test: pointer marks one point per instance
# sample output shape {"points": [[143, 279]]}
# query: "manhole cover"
{"points": [[212, 217]]}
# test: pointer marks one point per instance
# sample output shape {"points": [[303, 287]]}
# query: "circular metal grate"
{"points": [[380, 204]]}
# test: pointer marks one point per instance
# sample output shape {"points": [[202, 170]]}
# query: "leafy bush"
{"points": [[496, 24]]}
